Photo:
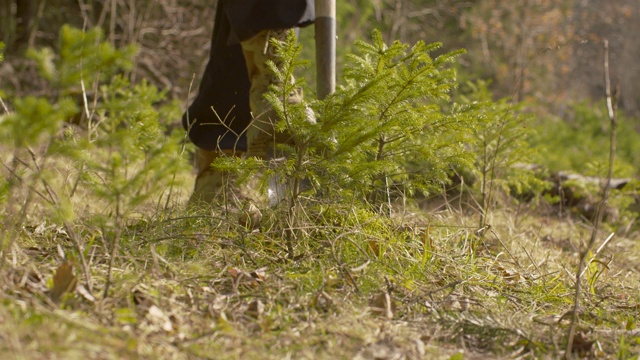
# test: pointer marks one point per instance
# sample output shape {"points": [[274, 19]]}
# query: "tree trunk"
{"points": [[25, 10]]}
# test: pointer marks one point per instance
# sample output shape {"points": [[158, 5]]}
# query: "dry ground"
{"points": [[423, 285]]}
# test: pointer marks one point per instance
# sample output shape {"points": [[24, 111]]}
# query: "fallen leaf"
{"points": [[509, 276], [33, 282], [255, 309], [260, 275], [382, 304], [63, 281], [581, 344], [245, 278], [40, 229], [34, 277], [322, 301], [234, 272], [141, 297], [250, 217], [85, 293], [61, 253], [374, 247]]}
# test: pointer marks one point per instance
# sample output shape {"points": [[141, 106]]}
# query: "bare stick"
{"points": [[114, 250], [611, 110], [597, 253], [4, 106]]}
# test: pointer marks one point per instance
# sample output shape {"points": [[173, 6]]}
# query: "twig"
{"points": [[611, 110], [606, 241], [119, 223], [4, 106], [54, 200], [36, 22], [341, 265], [504, 246]]}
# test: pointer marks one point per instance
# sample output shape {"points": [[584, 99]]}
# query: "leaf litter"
{"points": [[216, 302]]}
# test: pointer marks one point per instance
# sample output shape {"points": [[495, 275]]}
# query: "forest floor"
{"points": [[421, 285]]}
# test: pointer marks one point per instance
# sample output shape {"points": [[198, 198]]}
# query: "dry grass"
{"points": [[422, 285], [198, 286]]}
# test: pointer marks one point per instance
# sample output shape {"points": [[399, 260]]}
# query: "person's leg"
{"points": [[219, 115], [210, 183], [214, 185], [261, 134]]}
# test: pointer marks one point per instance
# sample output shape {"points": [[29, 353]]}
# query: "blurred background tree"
{"points": [[172, 37], [546, 54], [530, 48]]}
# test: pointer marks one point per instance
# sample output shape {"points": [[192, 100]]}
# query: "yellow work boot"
{"points": [[211, 184], [217, 187]]}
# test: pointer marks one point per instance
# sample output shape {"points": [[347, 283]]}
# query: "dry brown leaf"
{"points": [[245, 278], [374, 247], [34, 277], [509, 276], [382, 304], [581, 344], [39, 253], [255, 309], [33, 282], [250, 217], [322, 301], [141, 297], [234, 272], [427, 241], [260, 275], [63, 281]]}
